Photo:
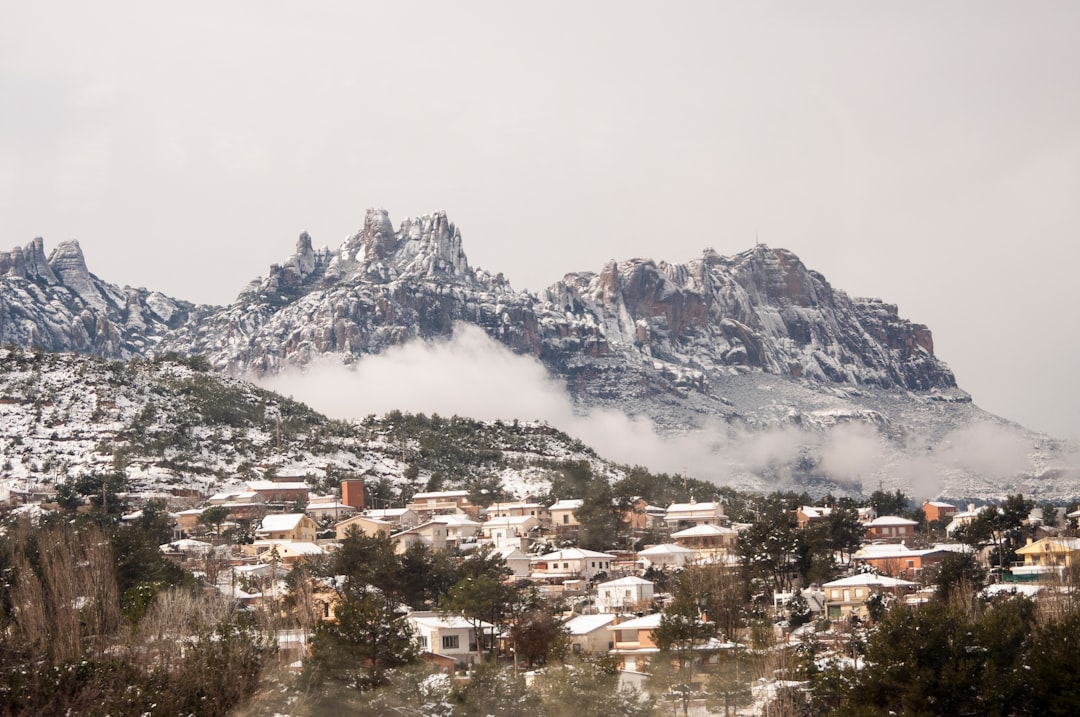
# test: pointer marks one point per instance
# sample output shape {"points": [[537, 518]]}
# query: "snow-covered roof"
{"points": [[664, 549], [387, 512], [441, 494], [567, 504], [282, 521], [575, 554], [813, 511], [890, 520], [454, 519], [701, 531], [628, 581], [270, 485], [708, 507], [187, 545], [329, 505], [510, 520], [584, 624], [939, 504], [435, 621], [867, 580], [648, 622], [301, 548]]}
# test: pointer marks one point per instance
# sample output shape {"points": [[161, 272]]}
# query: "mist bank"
{"points": [[472, 375]]}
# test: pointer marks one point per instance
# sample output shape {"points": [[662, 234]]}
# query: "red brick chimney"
{"points": [[352, 493]]}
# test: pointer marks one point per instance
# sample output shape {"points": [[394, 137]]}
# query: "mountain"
{"points": [[56, 304], [641, 333], [728, 349]]}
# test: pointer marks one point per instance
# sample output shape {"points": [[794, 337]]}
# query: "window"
{"points": [[450, 642], [565, 519], [423, 641]]}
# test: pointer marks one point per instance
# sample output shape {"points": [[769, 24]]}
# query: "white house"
{"points": [[507, 530], [458, 526], [665, 555], [687, 515], [571, 563], [590, 634], [628, 594], [451, 636], [517, 561]]}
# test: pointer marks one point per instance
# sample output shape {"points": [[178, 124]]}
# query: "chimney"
{"points": [[352, 493]]}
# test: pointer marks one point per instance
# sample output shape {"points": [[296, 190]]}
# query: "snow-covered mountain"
{"points": [[641, 333], [755, 342], [56, 304]]}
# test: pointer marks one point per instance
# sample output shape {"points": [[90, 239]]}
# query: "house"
{"points": [[280, 492], [519, 564], [287, 527], [187, 547], [365, 524], [291, 553], [444, 501], [665, 555], [807, 515], [890, 527], [707, 540], [964, 517], [563, 519], [188, 520], [329, 511], [432, 534], [402, 518], [939, 511], [847, 597], [897, 560], [1047, 556], [459, 527], [571, 563], [634, 643], [509, 529], [449, 636], [628, 594], [518, 510], [590, 634], [680, 516]]}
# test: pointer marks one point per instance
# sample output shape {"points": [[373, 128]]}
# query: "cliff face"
{"points": [[637, 330]]}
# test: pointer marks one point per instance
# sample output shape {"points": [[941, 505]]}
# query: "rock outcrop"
{"points": [[56, 304]]}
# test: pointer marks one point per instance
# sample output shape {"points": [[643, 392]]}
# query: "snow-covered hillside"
{"points": [[170, 426]]}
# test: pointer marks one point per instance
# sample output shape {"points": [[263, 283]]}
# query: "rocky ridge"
{"points": [[56, 304], [638, 330]]}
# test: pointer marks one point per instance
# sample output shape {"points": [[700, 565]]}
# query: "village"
{"points": [[612, 603]]}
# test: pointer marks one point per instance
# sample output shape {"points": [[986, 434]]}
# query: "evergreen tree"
{"points": [[368, 638]]}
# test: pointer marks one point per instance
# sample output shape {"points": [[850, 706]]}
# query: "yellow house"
{"points": [[562, 515], [287, 527], [366, 525], [1051, 552]]}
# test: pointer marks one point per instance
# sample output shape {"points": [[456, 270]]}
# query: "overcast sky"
{"points": [[927, 154]]}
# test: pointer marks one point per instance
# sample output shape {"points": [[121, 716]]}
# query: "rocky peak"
{"points": [[69, 265], [28, 262]]}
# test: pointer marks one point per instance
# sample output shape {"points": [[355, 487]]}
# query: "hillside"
{"points": [[170, 425]]}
